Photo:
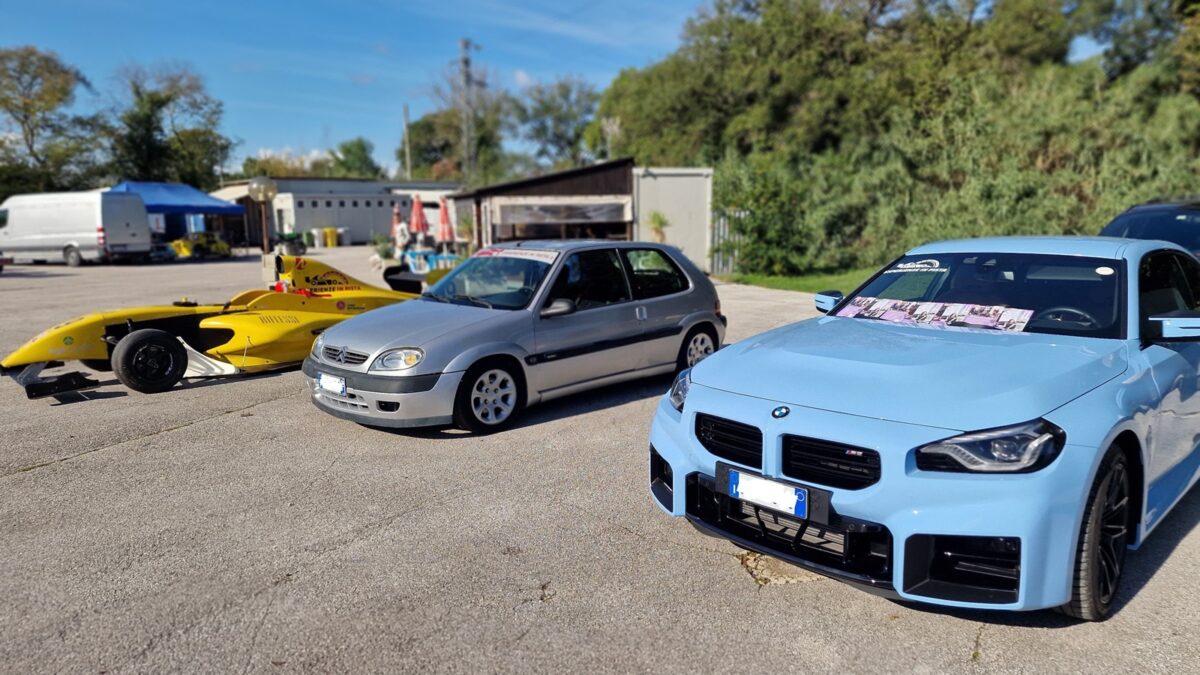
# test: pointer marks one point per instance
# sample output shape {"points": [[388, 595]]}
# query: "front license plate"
{"points": [[332, 383], [768, 493]]}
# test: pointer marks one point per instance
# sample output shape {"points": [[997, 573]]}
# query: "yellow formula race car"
{"points": [[201, 245], [150, 349]]}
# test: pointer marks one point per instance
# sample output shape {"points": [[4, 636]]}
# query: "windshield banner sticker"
{"points": [[942, 314], [927, 265], [524, 253]]}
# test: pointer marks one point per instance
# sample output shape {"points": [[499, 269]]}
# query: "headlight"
{"points": [[1019, 448], [318, 344], [398, 359], [679, 390]]}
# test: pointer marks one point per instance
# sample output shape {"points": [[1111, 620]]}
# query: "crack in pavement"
{"points": [[639, 535], [60, 460], [977, 650]]}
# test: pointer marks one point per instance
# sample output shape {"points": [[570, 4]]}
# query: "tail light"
{"points": [[100, 241]]}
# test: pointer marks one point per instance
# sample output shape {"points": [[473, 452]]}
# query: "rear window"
{"points": [[1177, 225]]}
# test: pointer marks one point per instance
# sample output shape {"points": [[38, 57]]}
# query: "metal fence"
{"points": [[722, 251]]}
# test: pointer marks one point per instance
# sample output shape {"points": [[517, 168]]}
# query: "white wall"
{"points": [[684, 196]]}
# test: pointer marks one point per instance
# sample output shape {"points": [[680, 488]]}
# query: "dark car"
{"points": [[1175, 221]]}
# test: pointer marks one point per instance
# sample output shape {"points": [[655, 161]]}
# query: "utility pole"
{"points": [[466, 106], [407, 147]]}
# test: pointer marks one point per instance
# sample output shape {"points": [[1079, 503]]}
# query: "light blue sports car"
{"points": [[986, 423]]}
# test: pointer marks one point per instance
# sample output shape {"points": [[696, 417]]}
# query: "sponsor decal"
{"points": [[1105, 271], [341, 305], [939, 314], [539, 255], [278, 319], [331, 281], [68, 341], [927, 265], [301, 263]]}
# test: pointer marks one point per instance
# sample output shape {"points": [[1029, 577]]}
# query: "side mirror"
{"points": [[1178, 325], [560, 307], [827, 300]]}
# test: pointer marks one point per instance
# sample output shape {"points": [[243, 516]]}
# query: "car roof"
{"points": [[574, 244], [1092, 247]]}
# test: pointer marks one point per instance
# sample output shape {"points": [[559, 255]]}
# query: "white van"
{"points": [[74, 226]]}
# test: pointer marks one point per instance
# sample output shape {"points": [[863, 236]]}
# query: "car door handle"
{"points": [[640, 313]]}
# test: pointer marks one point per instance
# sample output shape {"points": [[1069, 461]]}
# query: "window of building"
{"points": [[328, 203], [313, 204], [354, 204], [299, 203], [341, 203]]}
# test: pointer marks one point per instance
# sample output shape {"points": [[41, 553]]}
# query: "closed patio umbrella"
{"points": [[417, 222], [445, 232]]}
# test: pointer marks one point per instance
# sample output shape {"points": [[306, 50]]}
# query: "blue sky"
{"points": [[306, 74]]}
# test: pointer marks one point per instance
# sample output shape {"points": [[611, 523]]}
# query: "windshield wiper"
{"points": [[433, 296], [470, 298]]}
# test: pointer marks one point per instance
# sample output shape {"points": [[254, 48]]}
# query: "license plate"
{"points": [[768, 493], [117, 247], [332, 383]]}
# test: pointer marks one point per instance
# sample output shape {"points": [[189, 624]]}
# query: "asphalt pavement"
{"points": [[229, 526]]}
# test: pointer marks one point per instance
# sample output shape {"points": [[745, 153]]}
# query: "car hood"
{"points": [[957, 379], [415, 323]]}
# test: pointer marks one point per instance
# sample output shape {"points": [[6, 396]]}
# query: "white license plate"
{"points": [[332, 383], [768, 493]]}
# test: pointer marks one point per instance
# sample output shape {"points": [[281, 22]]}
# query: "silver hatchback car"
{"points": [[514, 325]]}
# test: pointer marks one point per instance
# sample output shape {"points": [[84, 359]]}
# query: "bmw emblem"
{"points": [[780, 412]]}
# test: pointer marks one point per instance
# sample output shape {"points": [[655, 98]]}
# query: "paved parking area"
{"points": [[228, 526]]}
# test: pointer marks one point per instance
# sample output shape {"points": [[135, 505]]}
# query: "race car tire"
{"points": [[490, 396], [98, 365], [72, 257], [1103, 540], [149, 361]]}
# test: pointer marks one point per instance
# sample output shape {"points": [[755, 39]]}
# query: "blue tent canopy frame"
{"points": [[172, 198]]}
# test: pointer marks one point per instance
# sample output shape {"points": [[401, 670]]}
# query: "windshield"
{"points": [[1176, 225], [494, 281], [1064, 295]]}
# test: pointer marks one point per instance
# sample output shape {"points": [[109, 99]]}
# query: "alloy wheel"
{"points": [[700, 346], [493, 396], [1114, 532]]}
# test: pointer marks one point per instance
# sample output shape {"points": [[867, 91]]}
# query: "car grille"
{"points": [[829, 463], [928, 462], [734, 441], [843, 547], [343, 356]]}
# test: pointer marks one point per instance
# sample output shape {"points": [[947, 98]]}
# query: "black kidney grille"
{"points": [[829, 463], [734, 441]]}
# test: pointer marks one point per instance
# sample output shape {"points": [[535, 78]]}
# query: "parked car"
{"points": [[197, 245], [1176, 221], [987, 423], [74, 227], [514, 325]]}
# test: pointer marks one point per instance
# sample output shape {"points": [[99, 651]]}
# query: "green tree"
{"points": [[353, 159], [141, 150], [50, 148], [553, 118]]}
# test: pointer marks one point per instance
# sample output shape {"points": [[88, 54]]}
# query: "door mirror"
{"points": [[827, 300], [560, 307], [1179, 325]]}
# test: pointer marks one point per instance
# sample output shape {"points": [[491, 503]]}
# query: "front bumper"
{"points": [[410, 401], [1014, 535]]}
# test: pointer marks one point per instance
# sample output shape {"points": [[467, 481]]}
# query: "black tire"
{"points": [[684, 360], [472, 405], [98, 365], [199, 252], [72, 257], [1103, 540], [149, 361]]}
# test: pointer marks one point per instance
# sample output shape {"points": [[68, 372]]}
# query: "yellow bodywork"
{"points": [[206, 243], [257, 330]]}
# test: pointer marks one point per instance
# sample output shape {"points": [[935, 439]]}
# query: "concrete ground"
{"points": [[229, 526]]}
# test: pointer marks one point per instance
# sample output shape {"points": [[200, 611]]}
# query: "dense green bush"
{"points": [[843, 137]]}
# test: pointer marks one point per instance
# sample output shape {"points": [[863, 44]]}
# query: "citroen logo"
{"points": [[341, 356], [781, 412]]}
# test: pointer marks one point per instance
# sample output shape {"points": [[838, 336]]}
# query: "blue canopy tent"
{"points": [[182, 207], [178, 198]]}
